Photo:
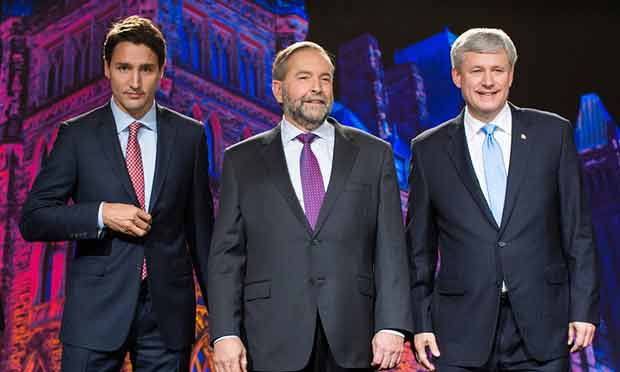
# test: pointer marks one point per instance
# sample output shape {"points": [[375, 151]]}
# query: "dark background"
{"points": [[565, 49]]}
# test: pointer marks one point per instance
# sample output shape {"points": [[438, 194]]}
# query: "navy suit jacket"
{"points": [[87, 167], [543, 249]]}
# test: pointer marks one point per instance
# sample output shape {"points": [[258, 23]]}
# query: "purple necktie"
{"points": [[311, 179]]}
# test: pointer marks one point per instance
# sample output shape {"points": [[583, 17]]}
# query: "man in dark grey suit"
{"points": [[498, 190], [308, 266], [141, 215]]}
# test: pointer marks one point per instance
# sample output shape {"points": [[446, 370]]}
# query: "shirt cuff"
{"points": [[224, 337], [391, 331], [100, 225]]}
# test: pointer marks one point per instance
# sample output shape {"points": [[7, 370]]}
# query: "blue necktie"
{"points": [[494, 172]]}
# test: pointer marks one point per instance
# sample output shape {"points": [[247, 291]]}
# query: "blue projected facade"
{"points": [[596, 137], [432, 58]]}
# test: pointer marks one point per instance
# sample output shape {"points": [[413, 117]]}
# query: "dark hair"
{"points": [[137, 30]]}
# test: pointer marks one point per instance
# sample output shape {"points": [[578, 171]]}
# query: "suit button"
{"points": [[502, 244]]}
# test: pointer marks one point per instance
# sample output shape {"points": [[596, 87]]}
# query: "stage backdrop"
{"points": [[218, 71]]}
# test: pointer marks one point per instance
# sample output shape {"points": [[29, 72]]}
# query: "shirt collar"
{"points": [[123, 119], [503, 121], [325, 131]]}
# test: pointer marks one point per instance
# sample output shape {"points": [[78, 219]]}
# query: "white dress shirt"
{"points": [[475, 138], [147, 139], [322, 147]]}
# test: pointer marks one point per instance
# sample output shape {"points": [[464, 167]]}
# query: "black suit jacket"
{"points": [[270, 274], [543, 248], [86, 166]]}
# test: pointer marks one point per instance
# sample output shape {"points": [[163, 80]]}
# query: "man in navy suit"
{"points": [[498, 190], [141, 215]]}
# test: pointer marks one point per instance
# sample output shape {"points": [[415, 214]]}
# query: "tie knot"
{"points": [[489, 129], [133, 128], [306, 138]]}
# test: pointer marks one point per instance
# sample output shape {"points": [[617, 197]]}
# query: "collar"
{"points": [[503, 121], [290, 132], [123, 119]]}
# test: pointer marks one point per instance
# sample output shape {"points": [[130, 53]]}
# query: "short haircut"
{"points": [[136, 30], [279, 69], [482, 40]]}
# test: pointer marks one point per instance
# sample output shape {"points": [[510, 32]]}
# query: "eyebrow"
{"points": [[127, 64]]}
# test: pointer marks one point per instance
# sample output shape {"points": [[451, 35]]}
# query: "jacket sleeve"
{"points": [[393, 304], [577, 234], [227, 259], [199, 214], [46, 214], [421, 233]]}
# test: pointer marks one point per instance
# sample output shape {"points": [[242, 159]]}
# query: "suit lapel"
{"points": [[345, 153], [275, 162], [166, 134], [112, 150], [519, 156], [459, 154]]}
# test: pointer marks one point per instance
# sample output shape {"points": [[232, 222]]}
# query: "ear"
{"points": [[276, 89], [456, 77], [106, 69], [512, 75], [161, 70]]}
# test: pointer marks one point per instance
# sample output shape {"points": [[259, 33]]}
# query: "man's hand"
{"points": [[420, 342], [126, 218], [387, 349], [580, 335], [230, 355]]}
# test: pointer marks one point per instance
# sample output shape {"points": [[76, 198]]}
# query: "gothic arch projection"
{"points": [[77, 67], [51, 272], [51, 81], [34, 363], [215, 61], [38, 159], [201, 360], [213, 131]]}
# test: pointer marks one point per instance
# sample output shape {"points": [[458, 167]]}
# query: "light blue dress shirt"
{"points": [[147, 138]]}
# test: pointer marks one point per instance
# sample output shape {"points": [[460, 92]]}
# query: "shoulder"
{"points": [[540, 116], [359, 137], [438, 134], [184, 121]]}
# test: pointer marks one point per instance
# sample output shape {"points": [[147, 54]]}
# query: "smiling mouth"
{"points": [[487, 93], [315, 102]]}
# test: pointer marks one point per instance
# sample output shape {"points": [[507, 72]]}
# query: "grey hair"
{"points": [[279, 67], [482, 40]]}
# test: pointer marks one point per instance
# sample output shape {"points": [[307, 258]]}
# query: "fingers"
{"points": [[571, 334], [420, 342], [230, 356], [244, 362], [434, 347], [146, 217], [590, 335], [583, 334], [387, 350]]}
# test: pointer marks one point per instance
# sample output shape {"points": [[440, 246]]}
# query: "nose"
{"points": [[135, 80], [316, 86], [487, 79]]}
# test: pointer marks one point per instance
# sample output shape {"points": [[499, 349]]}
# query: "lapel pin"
{"points": [[523, 136]]}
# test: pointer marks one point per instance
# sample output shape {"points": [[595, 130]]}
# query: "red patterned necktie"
{"points": [[133, 159]]}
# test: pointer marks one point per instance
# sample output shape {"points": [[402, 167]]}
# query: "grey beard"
{"points": [[306, 122]]}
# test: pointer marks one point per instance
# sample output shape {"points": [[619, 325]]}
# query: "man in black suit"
{"points": [[136, 173], [308, 265], [498, 191]]}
